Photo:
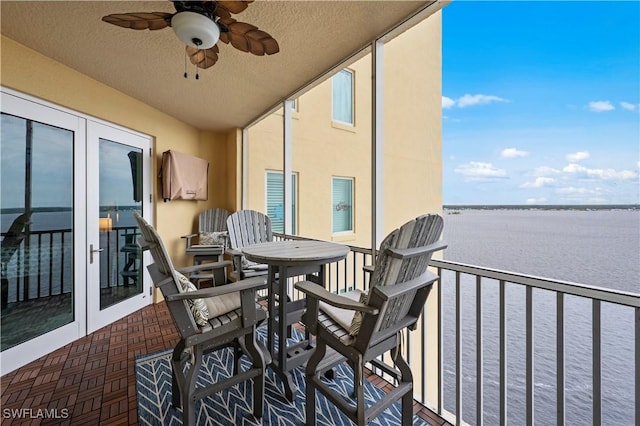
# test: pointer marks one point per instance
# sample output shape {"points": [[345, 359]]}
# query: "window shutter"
{"points": [[342, 97], [342, 204], [275, 201]]}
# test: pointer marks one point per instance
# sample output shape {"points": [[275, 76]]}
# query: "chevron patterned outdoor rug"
{"points": [[234, 405]]}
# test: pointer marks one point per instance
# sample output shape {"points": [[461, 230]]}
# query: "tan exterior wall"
{"points": [[30, 72], [412, 157], [412, 166]]}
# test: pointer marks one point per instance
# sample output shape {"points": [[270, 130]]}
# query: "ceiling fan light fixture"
{"points": [[195, 30]]}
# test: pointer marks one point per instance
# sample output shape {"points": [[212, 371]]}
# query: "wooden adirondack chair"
{"points": [[229, 320], [359, 327], [212, 240], [247, 227]]}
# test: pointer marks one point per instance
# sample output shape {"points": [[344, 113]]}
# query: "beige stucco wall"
{"points": [[30, 72], [412, 166], [412, 156]]}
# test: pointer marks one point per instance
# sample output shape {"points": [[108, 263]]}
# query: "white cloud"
{"points": [[513, 153], [600, 106], [470, 100], [545, 171], [604, 174], [478, 171], [572, 190], [538, 183], [536, 200], [447, 102], [629, 106], [577, 156]]}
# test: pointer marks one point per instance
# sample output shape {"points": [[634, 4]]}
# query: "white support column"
{"points": [[377, 213], [245, 165], [286, 165]]}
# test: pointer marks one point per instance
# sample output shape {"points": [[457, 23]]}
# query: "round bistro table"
{"points": [[285, 259]]}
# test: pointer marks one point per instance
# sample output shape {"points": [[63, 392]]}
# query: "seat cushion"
{"points": [[344, 317], [198, 307], [209, 307], [223, 304], [213, 238]]}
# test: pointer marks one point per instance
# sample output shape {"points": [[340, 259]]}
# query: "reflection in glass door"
{"points": [[120, 192], [116, 286], [37, 229]]}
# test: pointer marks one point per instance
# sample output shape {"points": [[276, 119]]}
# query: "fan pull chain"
{"points": [[185, 64], [197, 76]]}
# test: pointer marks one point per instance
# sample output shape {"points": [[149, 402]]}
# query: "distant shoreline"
{"points": [[583, 207]]}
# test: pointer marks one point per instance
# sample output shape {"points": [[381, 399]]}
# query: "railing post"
{"points": [[479, 355], [529, 356], [637, 392], [597, 364], [560, 359], [458, 352], [503, 354]]}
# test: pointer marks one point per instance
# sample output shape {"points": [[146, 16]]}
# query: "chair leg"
{"points": [[258, 361], [407, 398], [358, 384], [176, 365], [237, 353], [188, 403], [310, 372]]}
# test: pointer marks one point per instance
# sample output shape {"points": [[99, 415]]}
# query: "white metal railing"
{"points": [[475, 284], [479, 277]]}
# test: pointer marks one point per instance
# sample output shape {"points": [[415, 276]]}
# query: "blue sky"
{"points": [[541, 102]]}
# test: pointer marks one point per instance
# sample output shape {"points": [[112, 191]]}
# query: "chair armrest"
{"points": [[391, 291], [248, 284], [315, 291], [204, 267], [233, 252], [189, 238], [144, 244], [415, 251], [368, 268]]}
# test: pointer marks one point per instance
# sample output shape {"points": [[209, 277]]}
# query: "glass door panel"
{"points": [[42, 225], [37, 228], [116, 281], [120, 195]]}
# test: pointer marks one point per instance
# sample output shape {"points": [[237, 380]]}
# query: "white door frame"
{"points": [[85, 232], [96, 130]]}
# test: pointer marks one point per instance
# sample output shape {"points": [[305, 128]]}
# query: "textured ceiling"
{"points": [[149, 65]]}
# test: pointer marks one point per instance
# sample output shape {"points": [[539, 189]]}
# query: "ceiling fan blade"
{"points": [[203, 58], [140, 20], [232, 6], [249, 38]]}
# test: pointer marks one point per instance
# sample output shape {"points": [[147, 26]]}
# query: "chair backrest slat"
{"points": [[213, 220], [248, 227], [390, 270], [162, 269]]}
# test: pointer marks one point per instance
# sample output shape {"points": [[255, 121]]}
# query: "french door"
{"points": [[70, 265], [119, 162]]}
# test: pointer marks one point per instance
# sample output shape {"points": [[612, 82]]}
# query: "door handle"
{"points": [[91, 251]]}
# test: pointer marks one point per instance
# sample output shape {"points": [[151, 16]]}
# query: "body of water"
{"points": [[594, 247]]}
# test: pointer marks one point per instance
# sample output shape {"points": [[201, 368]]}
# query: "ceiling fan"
{"points": [[199, 25]]}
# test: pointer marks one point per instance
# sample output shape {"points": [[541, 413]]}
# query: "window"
{"points": [[275, 201], [342, 97], [342, 203]]}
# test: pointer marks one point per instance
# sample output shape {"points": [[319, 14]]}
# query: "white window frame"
{"points": [[294, 199], [333, 205], [351, 122]]}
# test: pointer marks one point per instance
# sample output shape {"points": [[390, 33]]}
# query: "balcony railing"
{"points": [[483, 314], [42, 265]]}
